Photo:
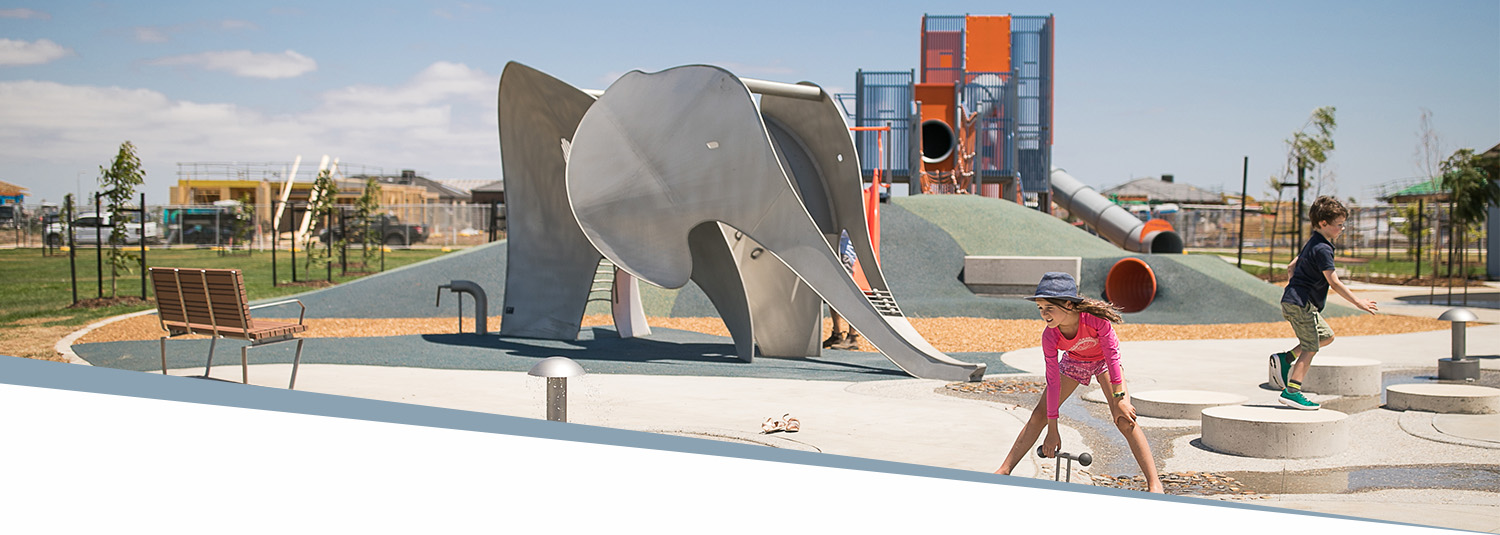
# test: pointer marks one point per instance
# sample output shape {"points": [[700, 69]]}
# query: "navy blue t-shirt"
{"points": [[1308, 285]]}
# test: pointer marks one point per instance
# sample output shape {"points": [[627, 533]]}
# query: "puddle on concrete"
{"points": [[1111, 452], [1356, 479]]}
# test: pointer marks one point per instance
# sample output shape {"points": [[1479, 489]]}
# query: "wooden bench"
{"points": [[212, 302]]}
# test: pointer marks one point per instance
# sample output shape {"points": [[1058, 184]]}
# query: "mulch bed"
{"points": [[306, 284], [947, 334], [101, 302]]}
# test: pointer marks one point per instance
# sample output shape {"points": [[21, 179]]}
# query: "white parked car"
{"points": [[91, 228]]}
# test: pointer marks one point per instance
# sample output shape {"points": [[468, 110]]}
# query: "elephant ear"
{"points": [[657, 155], [550, 265]]}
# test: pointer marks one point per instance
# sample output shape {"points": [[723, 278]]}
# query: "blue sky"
{"points": [[1142, 88]]}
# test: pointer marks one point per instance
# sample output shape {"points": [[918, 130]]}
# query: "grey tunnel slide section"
{"points": [[1116, 224]]}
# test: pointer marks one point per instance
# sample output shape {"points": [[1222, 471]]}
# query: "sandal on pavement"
{"points": [[792, 425], [772, 425]]}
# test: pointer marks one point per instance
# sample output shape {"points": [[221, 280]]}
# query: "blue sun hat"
{"points": [[1057, 285]]}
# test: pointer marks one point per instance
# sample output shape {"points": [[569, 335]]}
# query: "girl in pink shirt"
{"points": [[1080, 329]]}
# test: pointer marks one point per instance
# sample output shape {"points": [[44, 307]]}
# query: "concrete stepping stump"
{"points": [[1443, 398], [1343, 376], [1181, 404], [1274, 432]]}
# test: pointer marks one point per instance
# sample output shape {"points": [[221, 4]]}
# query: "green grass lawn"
{"points": [[37, 290], [1365, 263]]}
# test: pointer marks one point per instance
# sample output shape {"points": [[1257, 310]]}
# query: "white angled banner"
{"points": [[97, 457]]}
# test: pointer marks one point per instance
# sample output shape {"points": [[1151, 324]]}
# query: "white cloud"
{"points": [[441, 120], [439, 81], [146, 34], [13, 52], [235, 24], [23, 13], [245, 63], [162, 34]]}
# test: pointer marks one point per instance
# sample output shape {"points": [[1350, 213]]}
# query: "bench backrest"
{"points": [[201, 300]]}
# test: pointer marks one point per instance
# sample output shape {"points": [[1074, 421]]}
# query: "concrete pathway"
{"points": [[910, 420]]}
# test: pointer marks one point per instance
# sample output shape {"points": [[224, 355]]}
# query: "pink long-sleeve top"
{"points": [[1095, 340]]}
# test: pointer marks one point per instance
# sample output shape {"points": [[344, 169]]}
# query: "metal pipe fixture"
{"points": [[762, 87], [481, 304]]}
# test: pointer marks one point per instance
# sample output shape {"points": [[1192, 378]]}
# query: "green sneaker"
{"points": [[1298, 401], [1281, 366]]}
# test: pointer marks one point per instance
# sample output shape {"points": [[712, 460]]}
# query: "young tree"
{"points": [[1275, 210], [368, 206], [1306, 150], [1407, 226], [1428, 157], [1472, 192], [119, 182], [244, 220], [320, 208]]}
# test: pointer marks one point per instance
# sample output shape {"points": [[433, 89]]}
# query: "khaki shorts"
{"points": [[1308, 323]]}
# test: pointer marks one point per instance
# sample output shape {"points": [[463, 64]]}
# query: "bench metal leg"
{"points": [[295, 361], [163, 355], [211, 341], [244, 366]]}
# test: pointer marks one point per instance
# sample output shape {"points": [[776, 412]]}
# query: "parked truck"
{"points": [[391, 230], [91, 228]]}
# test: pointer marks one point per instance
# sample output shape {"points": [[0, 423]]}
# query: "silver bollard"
{"points": [[557, 370], [1458, 367]]}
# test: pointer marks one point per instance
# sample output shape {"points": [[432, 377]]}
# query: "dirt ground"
{"points": [[947, 334]]}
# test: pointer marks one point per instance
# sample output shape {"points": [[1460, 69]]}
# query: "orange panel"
{"points": [[937, 104], [937, 101], [1155, 225], [940, 60], [987, 43]]}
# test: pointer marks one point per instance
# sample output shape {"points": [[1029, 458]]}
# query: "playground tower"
{"points": [[975, 118]]}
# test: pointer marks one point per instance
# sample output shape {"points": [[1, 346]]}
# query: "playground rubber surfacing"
{"points": [[598, 349], [923, 257]]}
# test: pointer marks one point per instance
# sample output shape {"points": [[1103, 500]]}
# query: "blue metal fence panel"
{"points": [[1031, 59], [942, 49], [991, 96], [884, 98]]}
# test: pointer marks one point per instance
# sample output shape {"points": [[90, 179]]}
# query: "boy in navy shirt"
{"points": [[1302, 303]]}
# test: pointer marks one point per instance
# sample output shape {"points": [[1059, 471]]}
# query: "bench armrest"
{"points": [[300, 315]]}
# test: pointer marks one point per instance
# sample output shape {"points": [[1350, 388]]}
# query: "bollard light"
{"points": [[557, 370], [1458, 367]]}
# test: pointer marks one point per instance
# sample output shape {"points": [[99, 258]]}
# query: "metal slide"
{"points": [[660, 155]]}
